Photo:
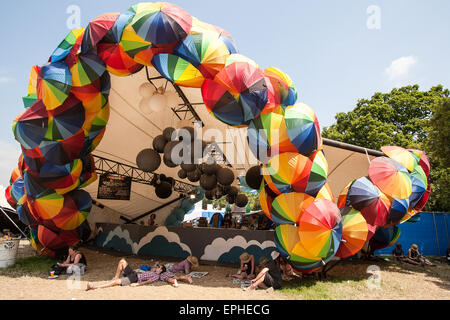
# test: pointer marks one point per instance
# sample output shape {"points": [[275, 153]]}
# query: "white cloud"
{"points": [[400, 67], [8, 160], [6, 80]]}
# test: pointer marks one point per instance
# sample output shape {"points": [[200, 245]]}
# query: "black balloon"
{"points": [[163, 190], [182, 174], [208, 182], [253, 177], [167, 133], [233, 191], [148, 160], [188, 167], [159, 143], [231, 199], [194, 176], [225, 176], [210, 194], [168, 162], [241, 200], [210, 168]]}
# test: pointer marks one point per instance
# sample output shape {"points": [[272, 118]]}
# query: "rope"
{"points": [[437, 236], [367, 154], [14, 223]]}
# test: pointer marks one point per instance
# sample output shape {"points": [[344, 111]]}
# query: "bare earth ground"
{"points": [[345, 281]]}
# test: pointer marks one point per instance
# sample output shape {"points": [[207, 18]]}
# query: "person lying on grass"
{"points": [[129, 277], [186, 266], [170, 278]]}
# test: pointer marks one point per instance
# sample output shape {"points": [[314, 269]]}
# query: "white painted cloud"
{"points": [[400, 68], [160, 231], [220, 246], [8, 160]]}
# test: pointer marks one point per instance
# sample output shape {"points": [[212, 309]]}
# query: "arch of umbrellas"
{"points": [[67, 111]]}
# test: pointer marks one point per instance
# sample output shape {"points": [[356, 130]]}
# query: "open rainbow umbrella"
{"points": [[61, 178], [377, 211], [31, 98], [76, 208], [94, 96], [318, 174], [401, 155], [287, 172], [320, 229], [342, 198], [354, 232], [30, 126], [161, 23], [50, 239], [423, 201], [398, 209], [384, 237], [361, 193], [205, 51], [63, 151], [97, 29], [87, 68], [284, 90], [114, 35], [65, 121], [266, 197], [390, 177], [267, 136], [423, 160], [46, 205], [238, 93], [288, 207], [419, 185], [303, 128], [178, 70], [325, 193], [63, 49], [116, 60], [54, 84]]}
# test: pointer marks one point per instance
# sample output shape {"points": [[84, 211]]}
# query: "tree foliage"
{"points": [[405, 117]]}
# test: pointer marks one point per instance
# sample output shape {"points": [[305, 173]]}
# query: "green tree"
{"points": [[405, 117]]}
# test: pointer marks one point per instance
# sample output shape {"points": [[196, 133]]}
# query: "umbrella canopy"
{"points": [[377, 211], [76, 208], [238, 93], [303, 128], [65, 121], [267, 136], [205, 51], [423, 201], [384, 237], [342, 198], [63, 151], [178, 70], [390, 177], [87, 68], [401, 155], [318, 174], [320, 229], [354, 232], [285, 93], [31, 98], [46, 205], [266, 197], [63, 49], [94, 96], [97, 29], [288, 207], [361, 193], [325, 193], [61, 178], [114, 34], [287, 172], [54, 84], [424, 162], [30, 126], [51, 240], [161, 23], [419, 186], [398, 209], [116, 60]]}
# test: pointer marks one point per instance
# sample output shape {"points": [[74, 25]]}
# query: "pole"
{"points": [[14, 223], [437, 237], [446, 229]]}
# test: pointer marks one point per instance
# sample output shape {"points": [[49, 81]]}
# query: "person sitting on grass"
{"points": [[399, 255], [287, 271], [74, 259], [414, 255], [270, 276], [188, 264], [247, 268], [170, 278], [129, 277]]}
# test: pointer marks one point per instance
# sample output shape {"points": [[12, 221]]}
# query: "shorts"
{"points": [[129, 276], [270, 282]]}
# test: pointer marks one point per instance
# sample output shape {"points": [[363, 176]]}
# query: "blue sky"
{"points": [[326, 47]]}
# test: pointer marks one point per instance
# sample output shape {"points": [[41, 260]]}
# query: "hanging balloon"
{"points": [[167, 133], [194, 175], [159, 143], [225, 176], [210, 169], [148, 160], [208, 182], [188, 167], [231, 199], [168, 162], [233, 191], [241, 200], [170, 159], [182, 174], [210, 194], [253, 177], [218, 193], [163, 190]]}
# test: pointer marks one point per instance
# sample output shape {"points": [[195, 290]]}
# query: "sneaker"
{"points": [[270, 290]]}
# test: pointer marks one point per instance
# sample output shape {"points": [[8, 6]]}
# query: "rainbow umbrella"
{"points": [[25, 215], [423, 160], [65, 121], [325, 193], [361, 193], [76, 208], [354, 232], [34, 240], [267, 136], [266, 197], [87, 68], [46, 205], [342, 198], [205, 51], [401, 155], [94, 96], [30, 126], [288, 207], [320, 229], [377, 211], [63, 49], [233, 58], [50, 239], [96, 122], [419, 185], [114, 35], [31, 98], [285, 93], [97, 29], [88, 174], [200, 27], [390, 177], [303, 128], [287, 172], [423, 201], [398, 209], [61, 178], [318, 174], [54, 84], [161, 23], [238, 93], [384, 237], [63, 151], [178, 70], [116, 60]]}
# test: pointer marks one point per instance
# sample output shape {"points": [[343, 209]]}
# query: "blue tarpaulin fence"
{"points": [[431, 234]]}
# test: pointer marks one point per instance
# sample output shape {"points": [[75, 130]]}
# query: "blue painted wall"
{"points": [[431, 240]]}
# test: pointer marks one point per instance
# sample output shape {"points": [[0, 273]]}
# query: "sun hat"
{"points": [[245, 257], [193, 260], [263, 260], [415, 247], [275, 254]]}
